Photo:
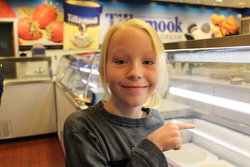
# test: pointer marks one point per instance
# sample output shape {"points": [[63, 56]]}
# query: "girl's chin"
{"points": [[134, 103]]}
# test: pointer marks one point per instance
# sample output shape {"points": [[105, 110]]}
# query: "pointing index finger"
{"points": [[184, 126]]}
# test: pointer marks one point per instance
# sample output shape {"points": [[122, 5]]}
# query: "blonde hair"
{"points": [[154, 100]]}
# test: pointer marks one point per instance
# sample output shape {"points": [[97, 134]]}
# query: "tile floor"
{"points": [[42, 151]]}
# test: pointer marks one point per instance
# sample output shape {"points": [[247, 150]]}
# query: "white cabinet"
{"points": [[28, 102]]}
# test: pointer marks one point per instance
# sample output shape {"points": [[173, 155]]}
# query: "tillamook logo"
{"points": [[162, 26], [89, 21]]}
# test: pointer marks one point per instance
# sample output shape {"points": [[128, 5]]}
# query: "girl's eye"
{"points": [[148, 62], [120, 62]]}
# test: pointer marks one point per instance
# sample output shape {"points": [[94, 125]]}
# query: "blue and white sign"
{"points": [[171, 22]]}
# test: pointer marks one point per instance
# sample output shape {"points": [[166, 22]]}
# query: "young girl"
{"points": [[123, 131]]}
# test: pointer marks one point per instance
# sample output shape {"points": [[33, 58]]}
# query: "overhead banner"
{"points": [[174, 23], [78, 24]]}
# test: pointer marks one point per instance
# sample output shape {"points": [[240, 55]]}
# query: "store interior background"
{"points": [[220, 6], [223, 6], [47, 93], [238, 6]]}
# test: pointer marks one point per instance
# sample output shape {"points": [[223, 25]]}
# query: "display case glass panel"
{"points": [[210, 88], [78, 74]]}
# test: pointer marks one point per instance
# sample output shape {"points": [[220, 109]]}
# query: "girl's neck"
{"points": [[123, 110]]}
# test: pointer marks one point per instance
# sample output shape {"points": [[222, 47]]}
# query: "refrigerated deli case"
{"points": [[210, 87], [77, 85]]}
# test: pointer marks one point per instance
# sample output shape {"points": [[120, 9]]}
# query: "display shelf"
{"points": [[167, 106], [30, 80], [211, 81], [71, 97], [212, 55], [169, 109], [223, 120]]}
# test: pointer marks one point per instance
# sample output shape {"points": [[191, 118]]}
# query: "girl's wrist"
{"points": [[155, 142]]}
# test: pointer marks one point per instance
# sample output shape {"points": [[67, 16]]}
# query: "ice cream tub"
{"points": [[81, 24]]}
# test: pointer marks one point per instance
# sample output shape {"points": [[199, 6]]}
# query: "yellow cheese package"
{"points": [[81, 24]]}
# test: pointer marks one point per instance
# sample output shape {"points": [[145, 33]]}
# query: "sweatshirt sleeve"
{"points": [[148, 155], [82, 148]]}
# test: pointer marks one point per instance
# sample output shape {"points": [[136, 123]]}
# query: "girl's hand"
{"points": [[169, 136]]}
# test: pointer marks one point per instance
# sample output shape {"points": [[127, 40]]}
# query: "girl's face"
{"points": [[131, 67]]}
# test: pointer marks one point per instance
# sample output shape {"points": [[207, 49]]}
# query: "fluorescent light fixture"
{"points": [[84, 81], [90, 83], [220, 142], [214, 100], [87, 70]]}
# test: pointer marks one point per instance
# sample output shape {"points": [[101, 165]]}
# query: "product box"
{"points": [[81, 25]]}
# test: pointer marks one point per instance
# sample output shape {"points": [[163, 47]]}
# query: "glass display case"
{"points": [[211, 89], [208, 87], [78, 74]]}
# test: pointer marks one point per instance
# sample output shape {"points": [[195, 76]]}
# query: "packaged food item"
{"points": [[220, 76], [236, 79], [81, 24]]}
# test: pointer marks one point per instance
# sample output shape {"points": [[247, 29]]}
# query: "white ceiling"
{"points": [[220, 3]]}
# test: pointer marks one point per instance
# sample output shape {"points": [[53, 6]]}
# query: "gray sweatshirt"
{"points": [[96, 138]]}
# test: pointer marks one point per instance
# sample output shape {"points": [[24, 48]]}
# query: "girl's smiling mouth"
{"points": [[134, 87]]}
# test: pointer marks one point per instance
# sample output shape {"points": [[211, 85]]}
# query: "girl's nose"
{"points": [[135, 72]]}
